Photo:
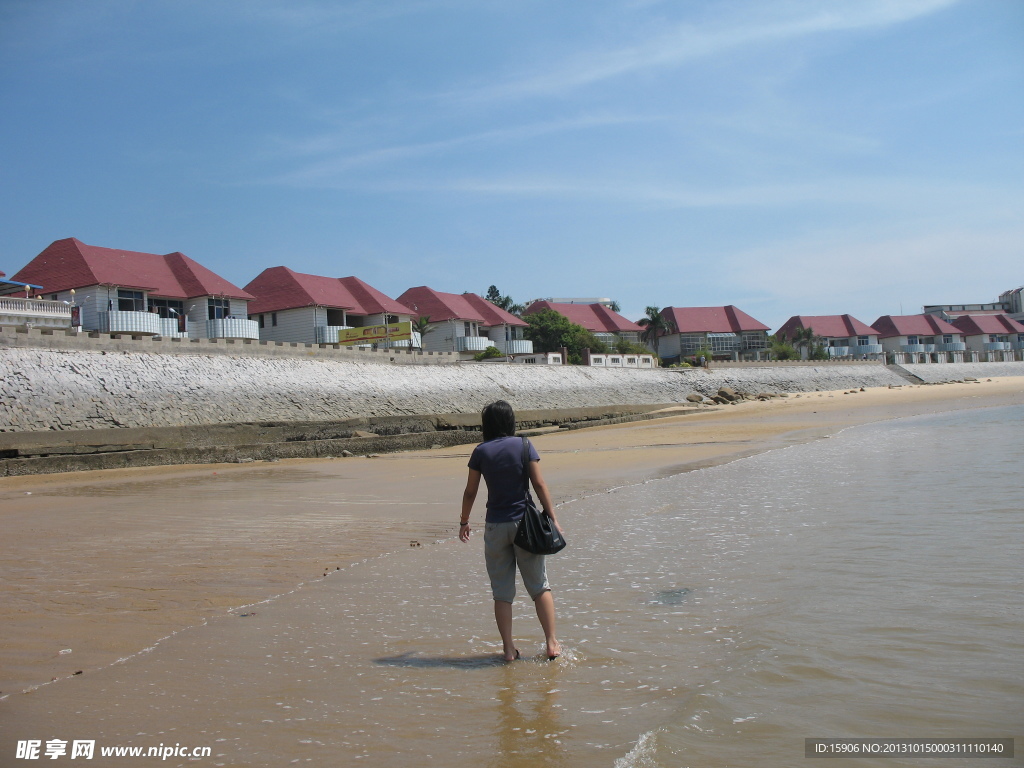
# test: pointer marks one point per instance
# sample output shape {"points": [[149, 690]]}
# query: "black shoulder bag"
{"points": [[536, 533]]}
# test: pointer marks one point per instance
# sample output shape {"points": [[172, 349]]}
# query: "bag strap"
{"points": [[526, 466]]}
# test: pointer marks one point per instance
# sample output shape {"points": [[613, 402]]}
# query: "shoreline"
{"points": [[105, 563]]}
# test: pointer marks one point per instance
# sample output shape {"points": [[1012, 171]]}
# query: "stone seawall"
{"points": [[937, 373], [45, 389], [69, 410]]}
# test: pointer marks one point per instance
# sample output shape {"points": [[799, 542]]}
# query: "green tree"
{"points": [[807, 339], [655, 326], [819, 352], [626, 347], [781, 348], [496, 298], [550, 331], [488, 353], [422, 326]]}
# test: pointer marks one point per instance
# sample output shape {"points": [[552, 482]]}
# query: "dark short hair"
{"points": [[498, 420]]}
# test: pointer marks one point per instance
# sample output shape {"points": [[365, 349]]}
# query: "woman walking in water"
{"points": [[499, 460]]}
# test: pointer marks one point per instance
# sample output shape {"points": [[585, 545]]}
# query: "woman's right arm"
{"points": [[468, 497]]}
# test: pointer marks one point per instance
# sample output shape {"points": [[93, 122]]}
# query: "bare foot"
{"points": [[513, 656], [554, 649]]}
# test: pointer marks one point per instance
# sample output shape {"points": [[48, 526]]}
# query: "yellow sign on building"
{"points": [[373, 334]]}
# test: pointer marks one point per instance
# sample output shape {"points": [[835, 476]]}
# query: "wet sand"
{"points": [[101, 565]]}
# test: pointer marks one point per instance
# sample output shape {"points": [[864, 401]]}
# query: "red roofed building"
{"points": [[608, 326], [994, 337], [138, 293], [920, 339], [727, 332], [466, 323], [841, 335], [310, 309]]}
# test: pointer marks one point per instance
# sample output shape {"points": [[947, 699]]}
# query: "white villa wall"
{"points": [[444, 335], [293, 325]]}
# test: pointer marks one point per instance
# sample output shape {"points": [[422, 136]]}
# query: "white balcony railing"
{"points": [[416, 342], [862, 349], [36, 312], [169, 328], [472, 343], [137, 323], [232, 328], [514, 346], [997, 346], [953, 346], [328, 334]]}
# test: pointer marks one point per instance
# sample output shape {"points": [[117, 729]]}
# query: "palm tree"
{"points": [[655, 326], [422, 326], [805, 338]]}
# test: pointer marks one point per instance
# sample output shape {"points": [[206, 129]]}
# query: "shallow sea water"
{"points": [[866, 585]]}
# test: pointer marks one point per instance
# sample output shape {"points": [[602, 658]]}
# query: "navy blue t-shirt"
{"points": [[500, 461]]}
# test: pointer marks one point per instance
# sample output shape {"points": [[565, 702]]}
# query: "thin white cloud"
{"points": [[325, 169], [687, 42], [893, 193]]}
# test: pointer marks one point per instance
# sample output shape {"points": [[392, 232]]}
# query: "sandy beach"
{"points": [[103, 564]]}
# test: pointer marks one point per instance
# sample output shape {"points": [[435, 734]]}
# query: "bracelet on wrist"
{"points": [[463, 523]]}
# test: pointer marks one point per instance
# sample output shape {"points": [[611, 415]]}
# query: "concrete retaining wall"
{"points": [[46, 389], [93, 341], [942, 372], [59, 390]]}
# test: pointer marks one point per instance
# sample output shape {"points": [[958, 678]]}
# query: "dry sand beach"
{"points": [[102, 565]]}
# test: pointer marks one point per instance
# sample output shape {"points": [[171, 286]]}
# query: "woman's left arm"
{"points": [[542, 493]]}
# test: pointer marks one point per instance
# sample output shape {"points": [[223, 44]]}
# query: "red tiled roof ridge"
{"points": [[889, 326], [70, 263], [438, 306], [595, 317], [828, 326], [974, 325], [722, 319]]}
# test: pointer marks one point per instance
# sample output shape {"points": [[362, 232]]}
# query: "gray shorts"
{"points": [[503, 556]]}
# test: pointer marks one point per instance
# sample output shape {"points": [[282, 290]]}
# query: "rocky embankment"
{"points": [[46, 390], [166, 408]]}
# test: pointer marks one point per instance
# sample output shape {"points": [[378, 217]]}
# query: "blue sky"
{"points": [[784, 156]]}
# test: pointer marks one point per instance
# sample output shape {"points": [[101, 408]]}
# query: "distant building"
{"points": [[310, 309], [616, 360], [18, 308], [608, 326], [727, 332], [129, 292], [535, 358], [606, 302], [920, 339], [1010, 303], [994, 337], [842, 336], [465, 323]]}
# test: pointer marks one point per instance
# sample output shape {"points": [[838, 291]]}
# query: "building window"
{"points": [[131, 301], [862, 341], [911, 340], [262, 321], [219, 308], [163, 307], [273, 319], [947, 339]]}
